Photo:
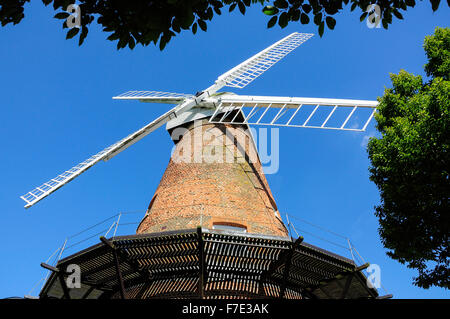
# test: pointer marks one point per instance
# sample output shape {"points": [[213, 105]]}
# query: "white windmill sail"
{"points": [[288, 109], [239, 77], [154, 97], [52, 185]]}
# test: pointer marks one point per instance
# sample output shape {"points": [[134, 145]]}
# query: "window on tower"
{"points": [[230, 227]]}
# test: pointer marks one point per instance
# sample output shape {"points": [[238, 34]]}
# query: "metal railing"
{"points": [[126, 223], [327, 239]]}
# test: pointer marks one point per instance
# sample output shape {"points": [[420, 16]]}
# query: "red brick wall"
{"points": [[205, 192]]}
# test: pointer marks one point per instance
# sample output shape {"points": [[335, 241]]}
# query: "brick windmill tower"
{"points": [[212, 228]]}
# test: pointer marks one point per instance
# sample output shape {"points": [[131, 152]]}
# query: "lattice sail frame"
{"points": [[249, 70], [260, 105], [154, 96], [52, 185]]}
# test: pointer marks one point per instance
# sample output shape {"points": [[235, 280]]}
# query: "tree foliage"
{"points": [[410, 165], [146, 21]]}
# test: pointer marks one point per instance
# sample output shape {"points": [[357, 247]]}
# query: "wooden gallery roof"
{"points": [[203, 263]]}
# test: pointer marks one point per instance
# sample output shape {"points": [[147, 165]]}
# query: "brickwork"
{"points": [[213, 177]]}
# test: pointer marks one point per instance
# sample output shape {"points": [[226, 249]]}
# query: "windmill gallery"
{"points": [[212, 228]]}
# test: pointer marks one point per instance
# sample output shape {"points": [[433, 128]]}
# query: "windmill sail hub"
{"points": [[191, 115]]}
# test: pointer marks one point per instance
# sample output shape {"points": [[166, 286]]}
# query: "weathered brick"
{"points": [[231, 192]]}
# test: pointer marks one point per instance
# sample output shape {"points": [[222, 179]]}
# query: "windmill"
{"points": [[238, 77], [216, 225]]}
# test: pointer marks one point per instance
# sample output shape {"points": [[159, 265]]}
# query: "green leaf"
{"points": [[333, 8], [162, 44], [165, 38], [83, 34], [295, 3], [397, 14], [194, 28], [58, 4], [307, 8], [241, 7], [354, 4], [232, 7], [270, 10], [61, 15], [330, 22], [176, 26], [187, 19], [122, 42], [131, 43], [272, 22], [114, 36], [435, 4], [282, 4], [410, 3], [363, 16], [304, 19], [295, 14], [210, 13], [315, 6], [283, 21], [388, 16], [72, 32], [318, 18], [321, 28], [202, 25]]}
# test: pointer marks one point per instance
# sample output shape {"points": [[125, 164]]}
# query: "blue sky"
{"points": [[57, 111]]}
